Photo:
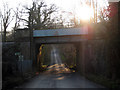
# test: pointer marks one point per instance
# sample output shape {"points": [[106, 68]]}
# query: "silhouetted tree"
{"points": [[39, 15], [6, 18]]}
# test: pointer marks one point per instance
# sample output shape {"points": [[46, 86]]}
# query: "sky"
{"points": [[64, 5]]}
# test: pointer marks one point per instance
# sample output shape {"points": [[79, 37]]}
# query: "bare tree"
{"points": [[1, 21], [39, 15], [16, 23], [6, 17], [17, 18]]}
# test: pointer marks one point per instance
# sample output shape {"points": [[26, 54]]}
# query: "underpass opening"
{"points": [[56, 58]]}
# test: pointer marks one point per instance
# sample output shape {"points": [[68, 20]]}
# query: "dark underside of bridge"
{"points": [[60, 39], [77, 41]]}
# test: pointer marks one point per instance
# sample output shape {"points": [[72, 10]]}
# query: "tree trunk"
{"points": [[4, 39]]}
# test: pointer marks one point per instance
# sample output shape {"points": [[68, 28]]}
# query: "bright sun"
{"points": [[85, 13]]}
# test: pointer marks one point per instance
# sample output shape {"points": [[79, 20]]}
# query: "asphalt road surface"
{"points": [[58, 76]]}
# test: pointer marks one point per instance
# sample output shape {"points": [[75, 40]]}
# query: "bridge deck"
{"points": [[60, 32]]}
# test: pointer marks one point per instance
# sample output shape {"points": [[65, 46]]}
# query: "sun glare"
{"points": [[85, 13]]}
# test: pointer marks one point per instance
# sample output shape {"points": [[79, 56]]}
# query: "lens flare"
{"points": [[85, 12]]}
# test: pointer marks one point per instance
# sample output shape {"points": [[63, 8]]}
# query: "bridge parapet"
{"points": [[60, 32]]}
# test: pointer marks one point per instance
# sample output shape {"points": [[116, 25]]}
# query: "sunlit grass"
{"points": [[58, 68]]}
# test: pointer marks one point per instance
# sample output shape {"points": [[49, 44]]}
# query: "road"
{"points": [[58, 76]]}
